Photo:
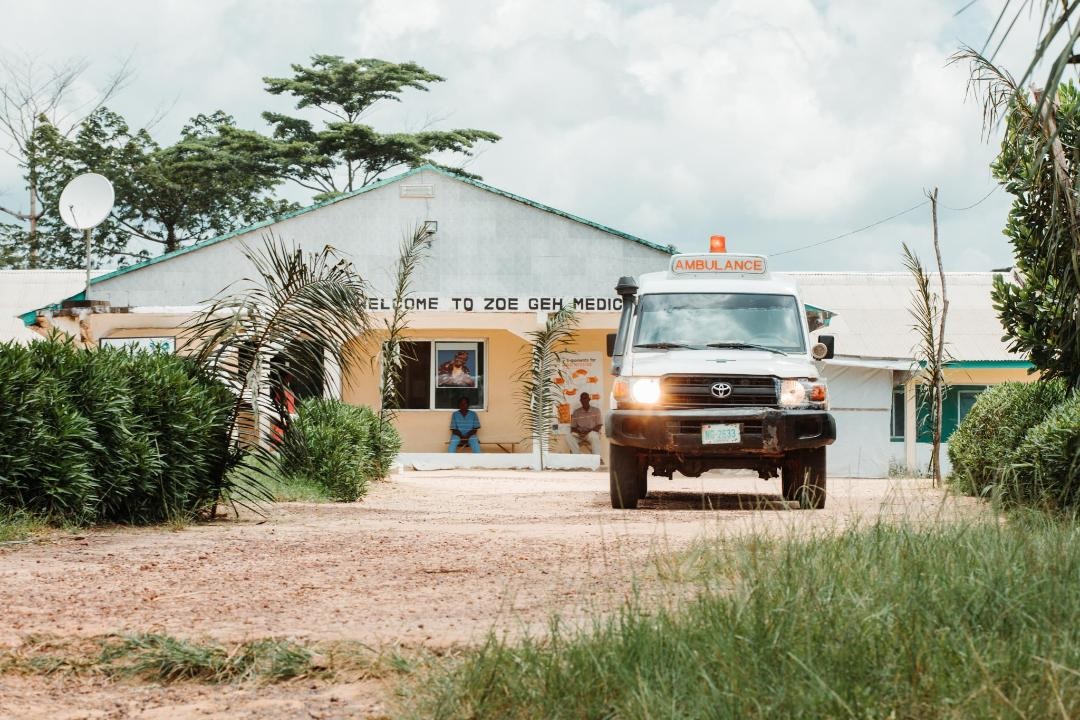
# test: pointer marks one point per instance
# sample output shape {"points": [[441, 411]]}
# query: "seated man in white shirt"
{"points": [[585, 426]]}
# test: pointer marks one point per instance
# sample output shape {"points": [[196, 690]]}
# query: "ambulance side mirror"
{"points": [[825, 348], [610, 344]]}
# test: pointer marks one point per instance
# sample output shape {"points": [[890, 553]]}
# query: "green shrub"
{"points": [[338, 446], [981, 449], [109, 435], [1045, 469]]}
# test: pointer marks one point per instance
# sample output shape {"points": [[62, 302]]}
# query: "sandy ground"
{"points": [[429, 560]]}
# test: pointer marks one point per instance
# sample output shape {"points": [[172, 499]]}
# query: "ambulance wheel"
{"points": [[626, 473], [643, 483], [802, 478]]}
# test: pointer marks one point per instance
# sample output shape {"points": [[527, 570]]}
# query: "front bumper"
{"points": [[763, 431]]}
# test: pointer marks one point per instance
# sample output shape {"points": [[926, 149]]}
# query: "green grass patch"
{"points": [[959, 621], [18, 525], [162, 658], [157, 658], [297, 489], [278, 485]]}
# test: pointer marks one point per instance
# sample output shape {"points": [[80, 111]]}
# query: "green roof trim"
{"points": [[988, 365], [825, 316], [28, 318], [669, 249]]}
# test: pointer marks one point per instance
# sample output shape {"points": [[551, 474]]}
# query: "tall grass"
{"points": [[976, 620]]}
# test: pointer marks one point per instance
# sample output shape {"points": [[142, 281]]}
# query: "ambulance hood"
{"points": [[655, 363]]}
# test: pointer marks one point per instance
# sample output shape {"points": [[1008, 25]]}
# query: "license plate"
{"points": [[719, 434]]}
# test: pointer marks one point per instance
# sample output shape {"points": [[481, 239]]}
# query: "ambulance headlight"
{"points": [[804, 393], [636, 390], [645, 390]]}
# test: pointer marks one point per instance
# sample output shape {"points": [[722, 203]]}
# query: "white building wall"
{"points": [[922, 453], [22, 290], [486, 244], [860, 400]]}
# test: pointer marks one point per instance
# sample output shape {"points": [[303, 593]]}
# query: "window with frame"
{"points": [[965, 400], [898, 413], [435, 375]]}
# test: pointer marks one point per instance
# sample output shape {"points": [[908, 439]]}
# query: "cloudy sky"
{"points": [[778, 124]]}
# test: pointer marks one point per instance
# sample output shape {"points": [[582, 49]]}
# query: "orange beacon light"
{"points": [[718, 244]]}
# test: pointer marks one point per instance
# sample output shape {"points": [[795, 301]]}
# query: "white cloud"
{"points": [[777, 124]]}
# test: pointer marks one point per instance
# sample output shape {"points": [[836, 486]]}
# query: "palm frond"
{"points": [[300, 313], [537, 391], [1055, 29], [414, 249]]}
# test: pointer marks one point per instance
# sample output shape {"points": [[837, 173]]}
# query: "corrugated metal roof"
{"points": [[873, 317]]}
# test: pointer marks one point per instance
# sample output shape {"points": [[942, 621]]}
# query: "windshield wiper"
{"points": [[664, 346], [744, 346]]}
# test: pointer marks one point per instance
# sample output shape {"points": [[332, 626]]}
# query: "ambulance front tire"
{"points": [[802, 478], [627, 475]]}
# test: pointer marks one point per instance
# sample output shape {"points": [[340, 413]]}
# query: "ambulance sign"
{"points": [[718, 264]]}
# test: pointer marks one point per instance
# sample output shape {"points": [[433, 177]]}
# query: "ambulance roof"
{"points": [[666, 282], [715, 272]]}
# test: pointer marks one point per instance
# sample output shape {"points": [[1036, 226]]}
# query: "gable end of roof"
{"points": [[669, 249]]}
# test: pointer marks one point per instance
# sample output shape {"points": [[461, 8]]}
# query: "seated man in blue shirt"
{"points": [[463, 427]]}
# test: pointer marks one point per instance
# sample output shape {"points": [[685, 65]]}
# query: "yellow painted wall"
{"points": [[428, 430], [986, 376]]}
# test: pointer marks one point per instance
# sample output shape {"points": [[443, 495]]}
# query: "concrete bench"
{"points": [[506, 446]]}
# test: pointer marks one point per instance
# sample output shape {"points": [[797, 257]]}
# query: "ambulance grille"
{"points": [[695, 391]]}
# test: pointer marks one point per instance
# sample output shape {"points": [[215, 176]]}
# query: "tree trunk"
{"points": [[939, 380], [171, 243], [32, 238]]}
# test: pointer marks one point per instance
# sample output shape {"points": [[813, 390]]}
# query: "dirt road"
{"points": [[428, 559]]}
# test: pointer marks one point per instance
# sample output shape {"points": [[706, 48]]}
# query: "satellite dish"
{"points": [[86, 201]]}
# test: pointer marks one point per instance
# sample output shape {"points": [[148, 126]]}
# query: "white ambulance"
{"points": [[713, 369]]}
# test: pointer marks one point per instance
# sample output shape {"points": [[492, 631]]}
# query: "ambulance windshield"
{"points": [[698, 320]]}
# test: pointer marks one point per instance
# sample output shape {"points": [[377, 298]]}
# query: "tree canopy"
{"points": [[1041, 313], [204, 185], [344, 154], [216, 177], [33, 96]]}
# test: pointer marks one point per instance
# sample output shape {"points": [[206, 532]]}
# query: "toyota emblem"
{"points": [[721, 390]]}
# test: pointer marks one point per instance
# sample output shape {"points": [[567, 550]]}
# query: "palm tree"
{"points": [[928, 312], [536, 375], [300, 313]]}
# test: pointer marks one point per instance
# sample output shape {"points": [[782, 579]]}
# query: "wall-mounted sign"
{"points": [[498, 303], [579, 374], [166, 344]]}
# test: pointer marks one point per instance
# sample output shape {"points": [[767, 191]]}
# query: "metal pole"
{"points": [[86, 236]]}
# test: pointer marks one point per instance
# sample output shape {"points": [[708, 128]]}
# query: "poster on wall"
{"points": [[579, 373], [456, 365]]}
